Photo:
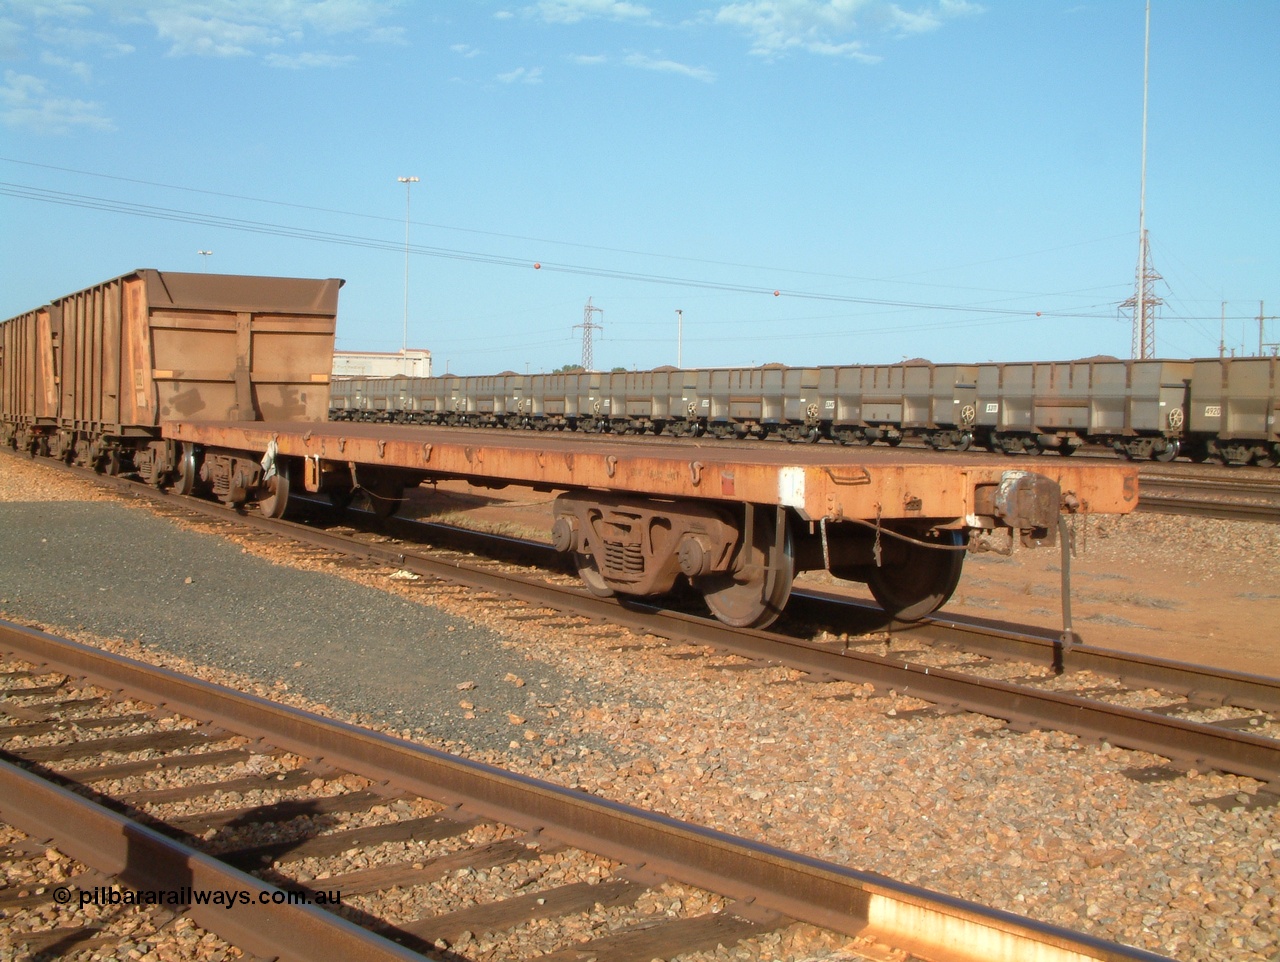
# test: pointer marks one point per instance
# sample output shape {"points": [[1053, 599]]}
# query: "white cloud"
{"points": [[465, 50], [575, 11], [11, 39], [670, 66], [26, 102], [74, 38], [216, 28], [304, 61], [192, 34], [833, 27], [522, 75], [77, 68], [589, 60]]}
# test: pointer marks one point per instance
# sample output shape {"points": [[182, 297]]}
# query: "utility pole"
{"points": [[1263, 344], [589, 326], [404, 344], [679, 337], [1222, 334]]}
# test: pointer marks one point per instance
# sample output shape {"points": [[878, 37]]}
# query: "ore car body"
{"points": [[90, 377]]}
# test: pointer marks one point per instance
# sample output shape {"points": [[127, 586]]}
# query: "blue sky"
{"points": [[945, 179]]}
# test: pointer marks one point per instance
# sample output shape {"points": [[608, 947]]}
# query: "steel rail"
{"points": [[1193, 744], [1199, 684], [1214, 497], [1203, 508], [145, 860], [1203, 746], [765, 879]]}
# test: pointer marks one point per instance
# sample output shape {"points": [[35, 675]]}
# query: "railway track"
{"points": [[1236, 499], [1197, 717], [167, 785]]}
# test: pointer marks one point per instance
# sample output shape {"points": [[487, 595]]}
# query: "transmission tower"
{"points": [[589, 327], [1143, 304]]}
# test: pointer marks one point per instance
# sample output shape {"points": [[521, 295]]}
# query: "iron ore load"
{"points": [[219, 386], [1225, 410]]}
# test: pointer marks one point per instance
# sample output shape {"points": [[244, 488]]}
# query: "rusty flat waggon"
{"points": [[737, 524]]}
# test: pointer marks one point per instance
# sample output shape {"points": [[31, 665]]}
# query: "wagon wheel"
{"points": [[340, 498], [1066, 450], [1170, 451], [184, 481], [385, 497], [109, 463], [276, 500], [922, 581], [965, 442], [590, 574], [755, 596]]}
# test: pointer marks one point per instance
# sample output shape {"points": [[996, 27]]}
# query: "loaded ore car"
{"points": [[1235, 410], [1136, 407]]}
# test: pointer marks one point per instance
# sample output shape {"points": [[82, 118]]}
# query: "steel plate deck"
{"points": [[818, 482]]}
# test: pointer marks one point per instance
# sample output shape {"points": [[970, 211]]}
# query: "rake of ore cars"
{"points": [[1225, 410], [220, 386]]}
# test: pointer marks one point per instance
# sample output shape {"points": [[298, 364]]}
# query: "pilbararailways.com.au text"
{"points": [[185, 895]]}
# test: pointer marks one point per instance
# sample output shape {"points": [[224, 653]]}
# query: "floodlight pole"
{"points": [[404, 344]]}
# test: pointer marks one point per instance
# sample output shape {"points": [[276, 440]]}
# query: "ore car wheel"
{"points": [[965, 442], [755, 598], [590, 574], [1170, 452], [185, 479], [385, 499], [922, 582], [276, 501]]}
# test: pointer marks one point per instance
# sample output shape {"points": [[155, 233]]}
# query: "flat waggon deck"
{"points": [[815, 481]]}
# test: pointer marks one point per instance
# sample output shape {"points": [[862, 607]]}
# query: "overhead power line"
{"points": [[899, 279], [132, 209]]}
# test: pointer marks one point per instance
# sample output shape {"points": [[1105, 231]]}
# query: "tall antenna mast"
{"points": [[1144, 300], [589, 326]]}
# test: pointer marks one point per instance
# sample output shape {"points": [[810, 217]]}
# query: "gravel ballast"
{"points": [[116, 571], [1087, 836]]}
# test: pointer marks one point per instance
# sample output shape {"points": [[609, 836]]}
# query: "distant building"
{"points": [[381, 363]]}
